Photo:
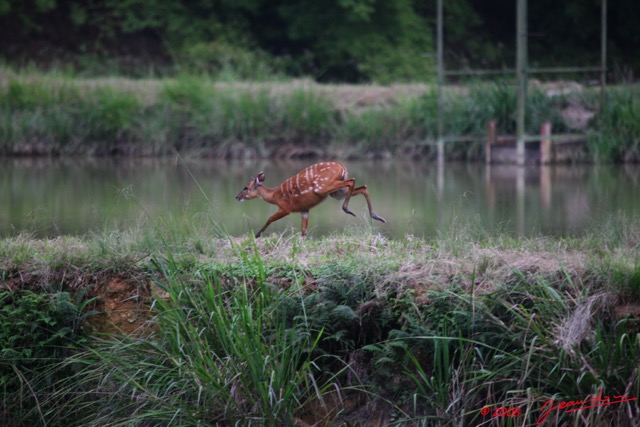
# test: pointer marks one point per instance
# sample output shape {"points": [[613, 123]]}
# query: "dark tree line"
{"points": [[330, 40]]}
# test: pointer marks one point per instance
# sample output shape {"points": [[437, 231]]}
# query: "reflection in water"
{"points": [[555, 200], [562, 190], [53, 197]]}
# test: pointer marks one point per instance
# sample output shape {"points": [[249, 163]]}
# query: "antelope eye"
{"points": [[245, 189]]}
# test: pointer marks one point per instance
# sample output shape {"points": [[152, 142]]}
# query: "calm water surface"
{"points": [[59, 197]]}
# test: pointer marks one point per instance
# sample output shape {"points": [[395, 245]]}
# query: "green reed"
{"points": [[516, 348], [55, 115], [617, 137], [216, 354]]}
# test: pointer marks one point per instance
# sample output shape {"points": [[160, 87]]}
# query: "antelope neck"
{"points": [[266, 194]]}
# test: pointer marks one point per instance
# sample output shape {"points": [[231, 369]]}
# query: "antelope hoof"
{"points": [[258, 235], [346, 210], [379, 218]]}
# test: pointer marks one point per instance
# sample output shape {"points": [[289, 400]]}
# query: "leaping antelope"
{"points": [[305, 190]]}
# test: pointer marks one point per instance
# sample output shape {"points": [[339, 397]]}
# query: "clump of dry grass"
{"points": [[491, 260]]}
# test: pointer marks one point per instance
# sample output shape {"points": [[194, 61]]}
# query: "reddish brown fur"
{"points": [[305, 190]]}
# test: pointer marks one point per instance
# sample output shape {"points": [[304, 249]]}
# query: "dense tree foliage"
{"points": [[335, 40]]}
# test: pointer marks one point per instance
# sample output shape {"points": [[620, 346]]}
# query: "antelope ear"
{"points": [[260, 178]]}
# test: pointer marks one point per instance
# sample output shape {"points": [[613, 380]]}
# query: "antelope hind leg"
{"points": [[342, 190], [365, 192]]}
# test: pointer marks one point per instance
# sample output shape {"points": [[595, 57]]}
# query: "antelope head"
{"points": [[250, 191]]}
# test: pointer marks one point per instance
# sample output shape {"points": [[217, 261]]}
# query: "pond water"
{"points": [[51, 197]]}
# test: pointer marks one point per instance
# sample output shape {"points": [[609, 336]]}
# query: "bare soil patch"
{"points": [[124, 307]]}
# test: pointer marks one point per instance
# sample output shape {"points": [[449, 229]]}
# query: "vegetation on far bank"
{"points": [[289, 331], [55, 115], [336, 41]]}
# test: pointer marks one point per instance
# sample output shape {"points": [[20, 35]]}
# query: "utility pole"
{"points": [[521, 72], [603, 55], [440, 77]]}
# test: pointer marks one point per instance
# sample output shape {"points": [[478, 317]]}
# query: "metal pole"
{"points": [[603, 55], [440, 78], [521, 70]]}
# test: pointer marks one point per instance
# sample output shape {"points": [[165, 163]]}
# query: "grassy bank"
{"points": [[345, 329], [56, 115]]}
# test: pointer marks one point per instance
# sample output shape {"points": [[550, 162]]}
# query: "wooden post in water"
{"points": [[491, 140], [545, 187], [520, 199], [546, 146]]}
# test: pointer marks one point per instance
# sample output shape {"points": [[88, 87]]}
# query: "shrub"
{"points": [[37, 331]]}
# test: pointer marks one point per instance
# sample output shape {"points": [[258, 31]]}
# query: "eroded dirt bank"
{"points": [[124, 299]]}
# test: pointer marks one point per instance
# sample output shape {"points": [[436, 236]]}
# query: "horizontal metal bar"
{"points": [[541, 70], [502, 139], [463, 138], [556, 137], [507, 139], [471, 72], [566, 70]]}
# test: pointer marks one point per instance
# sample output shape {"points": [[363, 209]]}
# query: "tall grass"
{"points": [[39, 331], [515, 348], [345, 329], [618, 134], [193, 114], [307, 116], [216, 354], [60, 119]]}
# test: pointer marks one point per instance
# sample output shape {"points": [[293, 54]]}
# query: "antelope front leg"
{"points": [[305, 222], [276, 216]]}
